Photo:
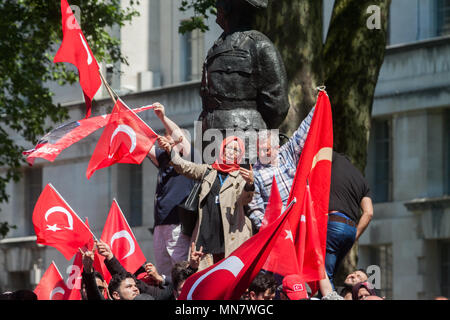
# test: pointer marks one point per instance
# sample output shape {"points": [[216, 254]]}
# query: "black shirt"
{"points": [[171, 190], [348, 187]]}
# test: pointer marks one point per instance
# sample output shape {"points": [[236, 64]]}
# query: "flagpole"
{"points": [[107, 86]]}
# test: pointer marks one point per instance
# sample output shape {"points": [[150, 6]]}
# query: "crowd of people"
{"points": [[231, 207]]}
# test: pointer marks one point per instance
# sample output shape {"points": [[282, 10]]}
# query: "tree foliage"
{"points": [[31, 32]]}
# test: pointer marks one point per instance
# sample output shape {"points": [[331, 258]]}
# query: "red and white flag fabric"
{"points": [[54, 142], [75, 50], [120, 238], [57, 225], [125, 139], [73, 282], [230, 277], [282, 259], [310, 213], [52, 286]]}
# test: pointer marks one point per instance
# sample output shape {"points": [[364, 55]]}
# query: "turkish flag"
{"points": [[50, 146], [52, 286], [310, 213], [230, 277], [73, 281], [57, 225], [125, 139], [75, 50], [120, 238], [281, 259]]}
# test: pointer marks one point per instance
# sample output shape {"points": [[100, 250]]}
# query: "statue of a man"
{"points": [[244, 83]]}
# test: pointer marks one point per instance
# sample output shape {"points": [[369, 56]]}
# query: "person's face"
{"points": [[363, 293], [231, 152], [268, 150], [266, 295], [100, 285], [127, 290], [355, 277]]}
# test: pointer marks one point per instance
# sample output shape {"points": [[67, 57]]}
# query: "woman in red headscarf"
{"points": [[222, 225]]}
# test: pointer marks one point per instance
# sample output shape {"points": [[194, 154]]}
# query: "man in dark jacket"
{"points": [[160, 291]]}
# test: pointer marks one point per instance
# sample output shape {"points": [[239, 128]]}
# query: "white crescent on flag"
{"points": [[89, 57], [124, 234], [62, 210], [232, 264], [128, 131], [55, 291]]}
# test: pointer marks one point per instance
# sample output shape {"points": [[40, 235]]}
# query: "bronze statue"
{"points": [[244, 83]]}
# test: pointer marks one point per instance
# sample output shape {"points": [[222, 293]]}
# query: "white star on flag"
{"points": [[53, 228], [289, 235]]}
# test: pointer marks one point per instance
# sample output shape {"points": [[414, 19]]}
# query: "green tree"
{"points": [[347, 62], [30, 34]]}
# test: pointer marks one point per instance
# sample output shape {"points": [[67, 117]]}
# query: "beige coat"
{"points": [[237, 227]]}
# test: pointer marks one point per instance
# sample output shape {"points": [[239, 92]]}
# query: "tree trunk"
{"points": [[295, 27], [353, 56], [348, 63]]}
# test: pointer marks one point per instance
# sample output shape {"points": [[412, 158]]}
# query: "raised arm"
{"points": [[290, 152], [187, 168], [173, 130]]}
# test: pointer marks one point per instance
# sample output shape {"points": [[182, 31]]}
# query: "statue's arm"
{"points": [[273, 102]]}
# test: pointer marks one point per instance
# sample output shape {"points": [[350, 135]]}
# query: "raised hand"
{"points": [[195, 257], [247, 175], [88, 260], [153, 274], [159, 110], [104, 250], [165, 144]]}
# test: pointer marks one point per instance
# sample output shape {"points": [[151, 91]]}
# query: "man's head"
{"points": [[268, 146], [362, 290], [123, 287], [180, 272], [100, 282], [262, 287], [355, 277]]}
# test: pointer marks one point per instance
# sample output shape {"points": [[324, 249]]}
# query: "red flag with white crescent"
{"points": [[230, 277], [57, 225], [52, 286], [280, 259], [54, 142], [74, 278], [120, 238], [75, 50], [125, 139], [310, 213]]}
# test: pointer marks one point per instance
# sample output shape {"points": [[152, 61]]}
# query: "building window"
{"points": [[33, 189], [443, 17], [135, 195], [381, 256], [192, 47], [445, 269], [381, 186]]}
